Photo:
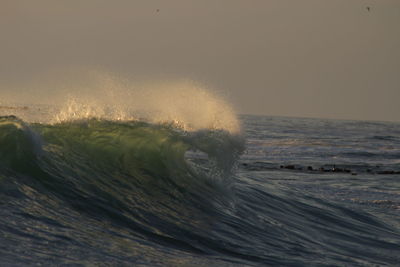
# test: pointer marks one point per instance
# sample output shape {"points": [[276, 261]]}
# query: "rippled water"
{"points": [[286, 192]]}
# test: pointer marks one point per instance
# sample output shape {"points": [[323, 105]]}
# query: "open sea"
{"points": [[279, 192]]}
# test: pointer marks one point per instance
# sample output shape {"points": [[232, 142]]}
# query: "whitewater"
{"points": [[172, 177]]}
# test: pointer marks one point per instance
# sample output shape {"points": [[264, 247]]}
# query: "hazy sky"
{"points": [[314, 58]]}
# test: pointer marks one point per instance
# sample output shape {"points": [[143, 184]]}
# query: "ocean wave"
{"points": [[134, 174], [131, 191]]}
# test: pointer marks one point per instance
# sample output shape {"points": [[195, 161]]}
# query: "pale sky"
{"points": [[304, 58]]}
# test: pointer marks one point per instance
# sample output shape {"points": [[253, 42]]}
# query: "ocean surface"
{"points": [[280, 192]]}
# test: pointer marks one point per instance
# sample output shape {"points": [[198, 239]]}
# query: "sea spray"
{"points": [[185, 103]]}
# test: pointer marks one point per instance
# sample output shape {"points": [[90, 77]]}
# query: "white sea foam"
{"points": [[185, 103]]}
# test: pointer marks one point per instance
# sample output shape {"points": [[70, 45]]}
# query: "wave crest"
{"points": [[184, 103]]}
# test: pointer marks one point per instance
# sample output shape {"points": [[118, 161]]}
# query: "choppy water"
{"points": [[285, 192]]}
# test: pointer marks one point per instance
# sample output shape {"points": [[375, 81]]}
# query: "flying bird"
{"points": [[368, 8]]}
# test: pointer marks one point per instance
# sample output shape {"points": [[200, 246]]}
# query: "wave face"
{"points": [[107, 192], [85, 181]]}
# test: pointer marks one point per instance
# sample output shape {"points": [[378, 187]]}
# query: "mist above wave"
{"points": [[184, 103]]}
